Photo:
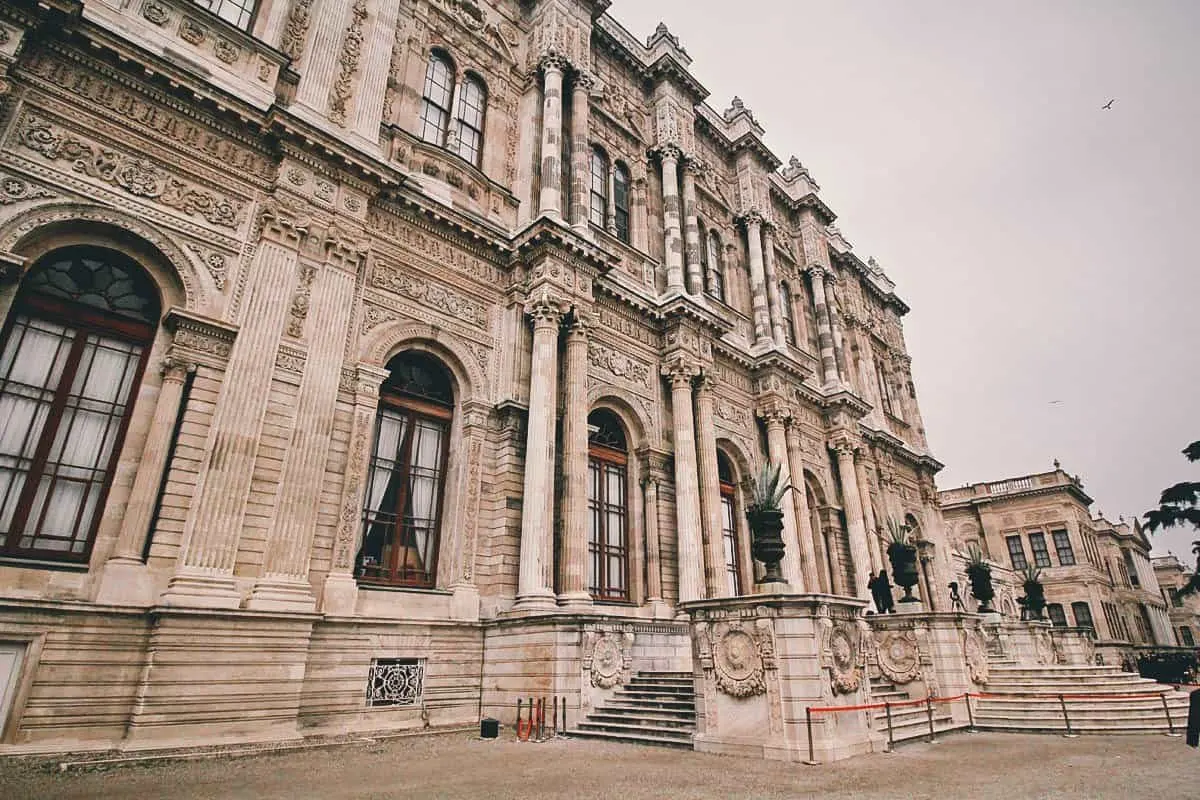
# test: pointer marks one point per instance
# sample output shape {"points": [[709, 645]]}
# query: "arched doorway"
{"points": [[608, 507]]}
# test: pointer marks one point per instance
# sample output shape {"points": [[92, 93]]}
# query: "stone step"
{"points": [[644, 720], [1152, 715], [1081, 726], [656, 686], [649, 703], [671, 675], [889, 697], [1061, 669], [637, 738], [1042, 690], [908, 716], [643, 711], [655, 695], [920, 731], [633, 727]]}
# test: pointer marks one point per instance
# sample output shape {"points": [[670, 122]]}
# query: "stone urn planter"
{"points": [[765, 516], [979, 573], [902, 553], [1035, 594]]}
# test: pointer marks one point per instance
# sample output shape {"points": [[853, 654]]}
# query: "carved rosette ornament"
{"points": [[844, 656], [737, 661], [975, 654], [607, 657], [898, 655]]}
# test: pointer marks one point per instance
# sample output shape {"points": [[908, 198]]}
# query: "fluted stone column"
{"points": [[581, 172], [804, 529], [573, 557], [695, 278], [774, 300], [672, 240], [534, 591], [776, 420], [687, 494], [550, 200], [874, 543], [118, 584], [824, 328], [654, 590], [710, 488], [284, 585], [855, 525], [204, 573], [758, 280]]}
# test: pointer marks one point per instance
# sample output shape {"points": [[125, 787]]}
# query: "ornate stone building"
{"points": [[1183, 610], [1097, 574], [369, 364]]}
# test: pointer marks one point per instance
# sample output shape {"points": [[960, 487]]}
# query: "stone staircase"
{"points": [[1026, 699], [909, 722], [656, 708]]}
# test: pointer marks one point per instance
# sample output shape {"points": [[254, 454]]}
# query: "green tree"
{"points": [[1180, 505]]}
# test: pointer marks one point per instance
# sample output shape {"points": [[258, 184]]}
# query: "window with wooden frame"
{"points": [[620, 200], [1062, 546], [237, 12], [608, 508], [716, 271], [1057, 615], [1185, 636], [1041, 555], [402, 511], [436, 98], [71, 360], [598, 188], [729, 526], [1083, 615], [1016, 552], [472, 103]]}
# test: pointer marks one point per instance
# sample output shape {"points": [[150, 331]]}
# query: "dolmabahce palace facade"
{"points": [[370, 364]]}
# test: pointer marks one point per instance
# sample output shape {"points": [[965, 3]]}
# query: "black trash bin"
{"points": [[489, 728]]}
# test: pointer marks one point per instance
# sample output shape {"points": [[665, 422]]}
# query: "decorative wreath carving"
{"points": [[845, 658], [607, 657], [737, 662], [898, 656], [975, 654]]}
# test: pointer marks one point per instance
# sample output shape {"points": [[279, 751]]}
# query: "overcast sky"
{"points": [[1046, 247]]}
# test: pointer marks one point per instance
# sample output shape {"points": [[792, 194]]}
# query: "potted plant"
{"points": [[903, 555], [979, 572], [765, 515], [1035, 593]]}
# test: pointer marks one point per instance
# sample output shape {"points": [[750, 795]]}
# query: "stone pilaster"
{"points": [[758, 279], [340, 592], [803, 514], [284, 585], [204, 572], [550, 201], [855, 524], [573, 558], [835, 327], [581, 173], [776, 418], [670, 156], [695, 278], [690, 558], [817, 274], [528, 127], [710, 488], [534, 592], [864, 494], [319, 49], [118, 583], [774, 291]]}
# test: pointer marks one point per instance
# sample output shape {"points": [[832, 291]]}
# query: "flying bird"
{"points": [[1108, 105], [1055, 402]]}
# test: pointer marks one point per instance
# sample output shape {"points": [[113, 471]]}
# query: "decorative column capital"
{"points": [[774, 414], [667, 152], [707, 383], [581, 324], [817, 272], [583, 81], [680, 372], [175, 368], [692, 164], [844, 445], [751, 218], [545, 308], [553, 62]]}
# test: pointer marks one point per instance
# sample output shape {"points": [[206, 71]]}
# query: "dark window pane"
{"points": [[1041, 556], [1016, 552], [1062, 546]]}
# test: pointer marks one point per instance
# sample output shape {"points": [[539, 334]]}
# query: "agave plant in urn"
{"points": [[979, 572], [1035, 594], [903, 555], [764, 512]]}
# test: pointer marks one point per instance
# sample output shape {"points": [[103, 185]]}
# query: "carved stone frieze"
{"points": [[342, 90], [975, 654], [216, 263], [298, 310], [295, 30], [351, 503], [199, 339], [737, 658], [1043, 646], [898, 655], [428, 293], [138, 176], [843, 654], [618, 364], [14, 190], [394, 230], [291, 359]]}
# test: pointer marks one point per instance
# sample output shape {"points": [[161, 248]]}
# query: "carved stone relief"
{"points": [[898, 656], [428, 293], [619, 365], [843, 654], [737, 660], [975, 654], [14, 190], [608, 657]]}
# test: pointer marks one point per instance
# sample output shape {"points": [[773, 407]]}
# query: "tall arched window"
{"points": [[403, 504], [608, 507], [716, 272], [74, 349], [810, 319], [598, 209], [436, 99], [787, 304], [471, 104], [621, 201], [729, 526]]}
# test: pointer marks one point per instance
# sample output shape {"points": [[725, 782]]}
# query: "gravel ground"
{"points": [[959, 767]]}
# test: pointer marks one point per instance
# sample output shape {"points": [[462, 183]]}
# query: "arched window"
{"points": [[621, 201], [598, 210], [729, 526], [72, 358], [716, 272], [608, 507], [471, 104], [789, 317], [436, 99], [403, 505], [810, 319]]}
